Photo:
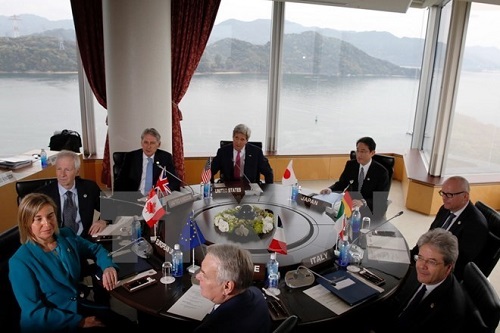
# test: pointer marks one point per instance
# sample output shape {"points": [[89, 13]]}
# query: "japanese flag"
{"points": [[289, 176]]}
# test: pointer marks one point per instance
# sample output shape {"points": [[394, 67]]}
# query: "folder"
{"points": [[347, 287]]}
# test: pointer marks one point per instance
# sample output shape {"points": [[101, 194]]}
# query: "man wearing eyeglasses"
{"points": [[431, 299], [467, 222]]}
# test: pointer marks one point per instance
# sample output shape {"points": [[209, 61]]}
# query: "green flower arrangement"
{"points": [[244, 219]]}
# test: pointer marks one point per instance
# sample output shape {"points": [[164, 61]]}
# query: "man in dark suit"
{"points": [[467, 223], [86, 195], [252, 162], [133, 177], [226, 279], [431, 299], [371, 196]]}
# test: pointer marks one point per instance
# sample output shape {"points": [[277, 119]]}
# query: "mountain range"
{"points": [[333, 52]]}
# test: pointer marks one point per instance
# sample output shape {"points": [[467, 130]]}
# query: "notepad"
{"points": [[347, 287]]}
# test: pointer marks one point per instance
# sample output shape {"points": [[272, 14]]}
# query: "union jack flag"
{"points": [[206, 174], [162, 184]]}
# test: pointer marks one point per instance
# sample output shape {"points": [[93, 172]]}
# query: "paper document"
{"points": [[389, 255], [327, 299], [331, 198], [192, 304], [384, 242]]}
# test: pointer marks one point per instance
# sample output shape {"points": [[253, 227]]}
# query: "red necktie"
{"points": [[237, 167]]}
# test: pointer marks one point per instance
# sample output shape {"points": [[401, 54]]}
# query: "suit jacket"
{"points": [[375, 188], [471, 229], [129, 178], [255, 164], [88, 200], [246, 312], [46, 284]]}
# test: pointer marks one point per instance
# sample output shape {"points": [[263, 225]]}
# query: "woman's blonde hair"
{"points": [[28, 208]]}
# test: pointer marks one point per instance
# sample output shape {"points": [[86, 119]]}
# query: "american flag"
{"points": [[206, 174], [162, 184]]}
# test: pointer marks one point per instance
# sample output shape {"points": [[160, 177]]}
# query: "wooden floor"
{"points": [[411, 224]]}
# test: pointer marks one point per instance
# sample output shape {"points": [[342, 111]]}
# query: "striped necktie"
{"points": [[69, 212], [448, 221]]}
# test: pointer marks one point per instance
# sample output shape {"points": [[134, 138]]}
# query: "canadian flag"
{"points": [[153, 210], [289, 176], [278, 244]]}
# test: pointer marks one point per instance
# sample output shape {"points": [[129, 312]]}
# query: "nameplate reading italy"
{"points": [[317, 259]]}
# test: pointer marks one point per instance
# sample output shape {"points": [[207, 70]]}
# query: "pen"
{"points": [[334, 281]]}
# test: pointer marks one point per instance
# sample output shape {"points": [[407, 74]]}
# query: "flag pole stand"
{"points": [[193, 268]]}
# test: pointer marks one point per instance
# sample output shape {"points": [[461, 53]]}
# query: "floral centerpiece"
{"points": [[244, 219]]}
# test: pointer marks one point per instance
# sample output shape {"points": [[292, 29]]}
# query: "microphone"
{"points": [[365, 232], [297, 278], [347, 187], [193, 194], [140, 246], [254, 187]]}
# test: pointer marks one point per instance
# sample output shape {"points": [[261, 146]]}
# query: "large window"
{"points": [[475, 135]]}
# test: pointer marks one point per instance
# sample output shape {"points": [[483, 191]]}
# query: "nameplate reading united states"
{"points": [[225, 190]]}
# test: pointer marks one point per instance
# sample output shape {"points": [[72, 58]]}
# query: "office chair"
{"points": [[24, 187], [490, 254], [226, 142], [483, 303], [288, 325], [386, 160], [118, 159], [10, 312]]}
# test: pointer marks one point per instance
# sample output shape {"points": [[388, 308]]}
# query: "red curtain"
{"points": [[192, 22], [87, 17]]}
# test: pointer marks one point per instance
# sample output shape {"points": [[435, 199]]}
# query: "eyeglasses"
{"points": [[449, 195], [430, 262]]}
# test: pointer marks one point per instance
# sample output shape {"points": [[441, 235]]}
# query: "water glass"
{"points": [[166, 271], [365, 229]]}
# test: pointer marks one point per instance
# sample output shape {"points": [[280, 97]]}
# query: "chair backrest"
{"points": [[10, 312], [386, 160], [490, 254], [288, 325], [255, 143], [483, 302], [24, 187], [118, 158]]}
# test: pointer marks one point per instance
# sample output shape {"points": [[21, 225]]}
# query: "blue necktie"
{"points": [[69, 212], [148, 184]]}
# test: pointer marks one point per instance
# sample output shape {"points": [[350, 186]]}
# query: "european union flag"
{"points": [[191, 235]]}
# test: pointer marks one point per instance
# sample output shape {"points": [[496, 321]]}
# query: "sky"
{"points": [[409, 24]]}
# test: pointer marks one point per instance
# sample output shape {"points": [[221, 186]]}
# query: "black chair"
{"points": [[24, 187], [10, 312], [288, 325], [255, 143], [118, 159], [483, 312], [489, 256], [386, 160]]}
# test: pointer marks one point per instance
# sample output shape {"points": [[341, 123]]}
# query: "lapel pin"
{"points": [[84, 195]]}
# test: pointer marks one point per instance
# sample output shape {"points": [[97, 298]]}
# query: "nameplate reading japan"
{"points": [[309, 201]]}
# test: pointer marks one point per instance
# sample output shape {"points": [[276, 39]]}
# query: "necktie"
{"points": [[69, 212], [237, 167], [408, 312], [361, 178], [448, 221], [148, 183]]}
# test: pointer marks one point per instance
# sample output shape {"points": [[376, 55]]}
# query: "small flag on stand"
{"points": [[289, 176], [191, 235], [206, 174], [278, 243], [153, 211], [162, 184]]}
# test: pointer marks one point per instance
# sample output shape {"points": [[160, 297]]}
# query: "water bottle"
{"points": [[344, 252], [207, 191], [295, 192], [136, 229], [177, 262], [355, 224], [43, 158], [273, 274]]}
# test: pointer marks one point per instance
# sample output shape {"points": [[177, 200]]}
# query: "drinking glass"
{"points": [[166, 271], [365, 229], [273, 283]]}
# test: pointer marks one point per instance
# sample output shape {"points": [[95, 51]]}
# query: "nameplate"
{"points": [[6, 177], [227, 189], [176, 199], [162, 248], [310, 202], [325, 257], [259, 272]]}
